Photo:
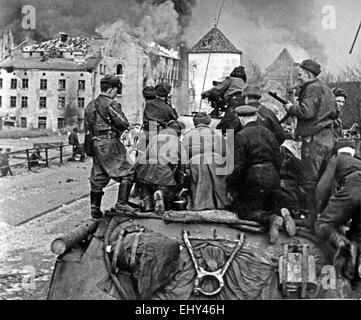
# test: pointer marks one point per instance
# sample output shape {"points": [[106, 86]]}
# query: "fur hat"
{"points": [[201, 117], [311, 66]]}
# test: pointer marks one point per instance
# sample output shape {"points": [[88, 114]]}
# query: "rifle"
{"points": [[275, 96]]}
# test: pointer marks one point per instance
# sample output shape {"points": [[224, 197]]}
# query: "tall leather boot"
{"points": [[95, 202], [123, 197]]}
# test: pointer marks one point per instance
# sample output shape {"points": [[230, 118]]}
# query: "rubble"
{"points": [[61, 44]]}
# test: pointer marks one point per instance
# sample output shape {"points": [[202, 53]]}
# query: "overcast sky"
{"points": [[277, 26]]}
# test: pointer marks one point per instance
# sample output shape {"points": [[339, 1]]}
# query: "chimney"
{"points": [[63, 37]]}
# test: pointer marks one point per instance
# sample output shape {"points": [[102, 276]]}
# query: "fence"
{"points": [[52, 151]]}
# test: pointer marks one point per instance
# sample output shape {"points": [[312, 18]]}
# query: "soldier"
{"points": [[206, 150], [105, 120], [343, 206], [74, 141], [158, 110], [316, 112], [252, 95], [255, 183], [231, 89], [156, 170], [340, 100]]}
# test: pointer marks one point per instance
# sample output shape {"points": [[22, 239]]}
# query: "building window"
{"points": [[61, 123], [120, 89], [62, 84], [13, 102], [61, 102], [24, 102], [42, 122], [1, 101], [12, 118], [23, 122], [25, 84], [14, 83], [81, 84], [119, 69], [1, 83], [42, 103], [81, 103], [43, 84], [101, 69]]}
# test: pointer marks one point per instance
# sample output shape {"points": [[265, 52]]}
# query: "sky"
{"points": [[262, 28]]}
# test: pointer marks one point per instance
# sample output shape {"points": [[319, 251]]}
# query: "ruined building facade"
{"points": [[48, 85]]}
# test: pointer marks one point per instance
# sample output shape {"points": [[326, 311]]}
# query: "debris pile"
{"points": [[61, 44]]}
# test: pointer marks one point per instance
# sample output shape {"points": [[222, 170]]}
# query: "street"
{"points": [[26, 262]]}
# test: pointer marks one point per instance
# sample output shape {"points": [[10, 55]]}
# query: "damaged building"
{"points": [[48, 85], [212, 58]]}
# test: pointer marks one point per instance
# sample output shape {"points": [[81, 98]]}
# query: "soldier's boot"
{"points": [[310, 206], [289, 222], [95, 202], [159, 202], [276, 223], [122, 204]]}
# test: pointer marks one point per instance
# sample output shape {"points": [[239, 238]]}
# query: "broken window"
{"points": [[13, 102], [43, 84], [14, 83], [1, 83], [81, 84], [42, 122], [62, 84], [1, 101], [25, 84], [81, 103], [42, 103], [24, 102], [61, 102], [23, 122]]}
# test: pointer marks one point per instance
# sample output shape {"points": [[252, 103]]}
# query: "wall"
{"points": [[220, 66], [52, 112]]}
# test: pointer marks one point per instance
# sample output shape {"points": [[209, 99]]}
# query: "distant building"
{"points": [[283, 70], [49, 84], [6, 44], [211, 59]]}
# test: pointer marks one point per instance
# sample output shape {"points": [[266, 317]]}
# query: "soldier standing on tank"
{"points": [[105, 120], [316, 112]]}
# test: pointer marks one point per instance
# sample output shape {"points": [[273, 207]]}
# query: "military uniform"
{"points": [[158, 110], [316, 113], [255, 177], [255, 182], [106, 122], [344, 205], [156, 169]]}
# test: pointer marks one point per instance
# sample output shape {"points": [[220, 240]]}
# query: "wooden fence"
{"points": [[49, 151]]}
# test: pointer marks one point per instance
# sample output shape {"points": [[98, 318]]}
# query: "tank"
{"points": [[220, 257]]}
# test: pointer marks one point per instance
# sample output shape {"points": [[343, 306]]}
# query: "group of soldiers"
{"points": [[250, 138]]}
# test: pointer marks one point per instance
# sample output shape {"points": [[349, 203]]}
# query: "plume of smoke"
{"points": [[261, 28], [83, 17], [148, 23]]}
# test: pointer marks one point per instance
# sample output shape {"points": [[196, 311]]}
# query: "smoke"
{"points": [[84, 17], [262, 28]]}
